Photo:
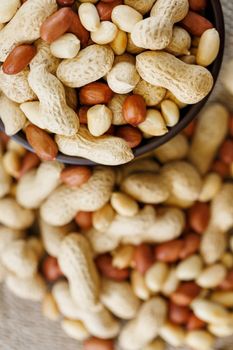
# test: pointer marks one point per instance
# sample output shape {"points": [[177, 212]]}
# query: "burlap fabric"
{"points": [[22, 326]]}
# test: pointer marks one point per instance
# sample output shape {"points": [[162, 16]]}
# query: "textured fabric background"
{"points": [[22, 326]]}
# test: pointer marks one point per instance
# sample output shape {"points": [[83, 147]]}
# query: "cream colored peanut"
{"points": [[52, 236], [25, 26], [172, 334], [99, 119], [172, 97], [35, 186], [134, 335], [212, 276], [156, 276], [32, 112], [19, 259], [12, 117], [171, 283], [157, 344], [8, 9], [49, 307], [211, 186], [154, 124], [123, 77], [116, 105], [14, 146], [105, 33], [67, 46], [106, 150], [208, 47], [210, 311], [142, 6], [139, 286], [7, 236], [32, 288], [123, 256], [145, 187], [124, 205], [223, 298], [189, 59], [200, 340], [103, 217], [213, 245], [180, 43], [182, 180], [15, 216], [12, 163], [227, 76], [16, 86], [189, 83], [75, 329], [119, 44], [222, 208], [132, 48], [227, 260], [189, 268], [81, 71], [125, 17], [90, 197], [211, 131], [75, 260], [170, 112], [155, 32], [89, 16], [58, 117], [152, 95], [175, 149], [223, 330], [5, 180], [120, 299]]}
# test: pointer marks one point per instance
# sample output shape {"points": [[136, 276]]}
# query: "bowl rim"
{"points": [[191, 114]]}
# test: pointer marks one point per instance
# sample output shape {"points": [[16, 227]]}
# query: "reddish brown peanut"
{"points": [[197, 5], [41, 142], [50, 269], [199, 216], [98, 344], [196, 24], [56, 25], [185, 293], [82, 113], [191, 245], [195, 323], [104, 265], [190, 129], [78, 29], [134, 109], [95, 93], [169, 251], [143, 258], [30, 161], [130, 134], [227, 284], [179, 314], [105, 9], [18, 59], [65, 2], [226, 152], [4, 139], [221, 168], [74, 176], [84, 220]]}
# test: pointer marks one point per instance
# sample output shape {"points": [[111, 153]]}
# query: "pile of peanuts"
{"points": [[147, 243], [94, 79]]}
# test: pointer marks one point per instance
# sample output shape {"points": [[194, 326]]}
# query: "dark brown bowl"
{"points": [[215, 14]]}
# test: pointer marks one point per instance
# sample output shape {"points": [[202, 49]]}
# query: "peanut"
{"points": [[190, 268], [105, 9], [89, 17], [8, 10], [156, 276], [105, 34], [212, 276], [75, 329], [172, 334], [123, 256], [200, 340], [154, 123], [67, 46], [11, 115], [124, 205], [196, 24], [209, 39], [98, 344], [119, 43], [18, 59], [125, 17], [123, 77], [99, 118], [152, 95], [185, 293], [143, 258], [210, 311], [49, 307], [105, 266], [163, 69], [139, 286], [134, 110]]}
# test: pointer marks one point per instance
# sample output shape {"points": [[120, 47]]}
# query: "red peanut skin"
{"points": [[51, 270], [131, 135], [194, 323], [18, 59], [95, 93], [199, 216], [196, 24], [78, 29], [143, 258], [98, 344], [104, 265], [105, 9], [197, 5], [56, 25], [30, 161], [185, 293]]}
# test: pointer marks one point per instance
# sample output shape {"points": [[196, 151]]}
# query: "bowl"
{"points": [[215, 14]]}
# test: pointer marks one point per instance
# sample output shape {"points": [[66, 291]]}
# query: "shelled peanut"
{"points": [[93, 79], [147, 243]]}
